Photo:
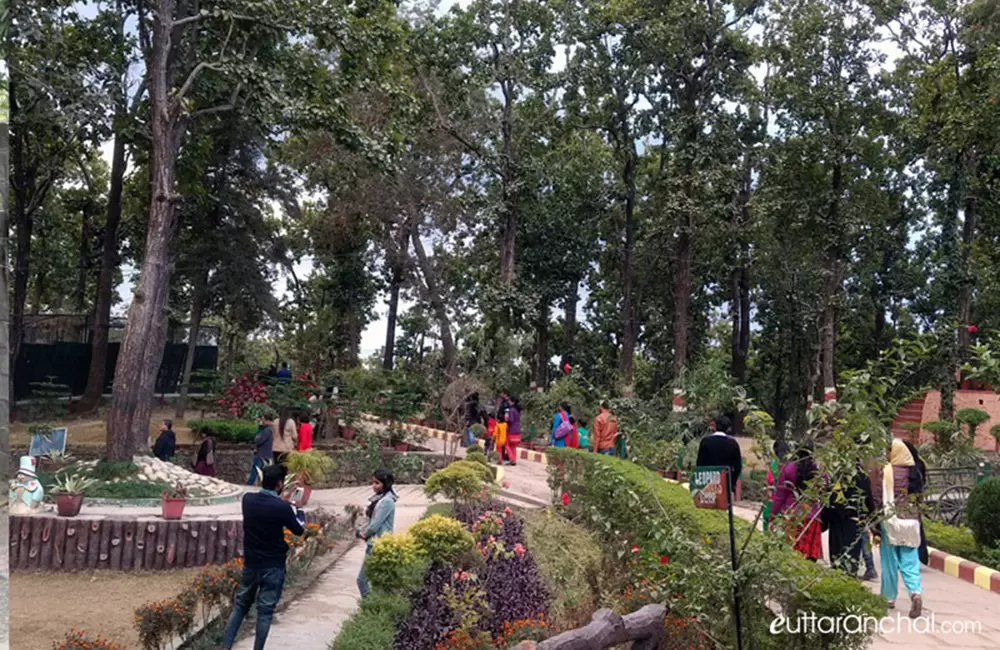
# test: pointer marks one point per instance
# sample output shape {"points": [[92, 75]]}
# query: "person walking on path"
{"points": [[265, 518], [305, 442], [605, 431], [804, 530], [721, 449], [473, 416], [204, 461], [287, 439], [851, 503], [561, 427], [381, 515], [896, 487], [513, 430], [584, 434], [263, 446], [780, 451], [166, 442]]}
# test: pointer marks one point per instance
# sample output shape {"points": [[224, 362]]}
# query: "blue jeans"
{"points": [[866, 553], [610, 451], [257, 463], [263, 586], [363, 585]]}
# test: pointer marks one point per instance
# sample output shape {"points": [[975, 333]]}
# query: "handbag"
{"points": [[900, 532], [564, 428]]}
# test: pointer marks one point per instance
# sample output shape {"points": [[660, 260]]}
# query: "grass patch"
{"points": [[127, 490], [567, 554], [374, 625], [444, 509]]}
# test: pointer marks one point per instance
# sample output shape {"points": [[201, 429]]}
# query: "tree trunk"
{"points": [[437, 304], [389, 354], [146, 329], [541, 377], [6, 394], [629, 326], [682, 297], [569, 326], [834, 281], [24, 222], [105, 283], [197, 309], [509, 191], [965, 296]]}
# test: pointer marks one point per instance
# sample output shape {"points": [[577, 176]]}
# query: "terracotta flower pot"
{"points": [[173, 508], [347, 433], [306, 493], [401, 446], [68, 503]]}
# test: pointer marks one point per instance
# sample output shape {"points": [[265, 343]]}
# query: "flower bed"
{"points": [[674, 553]]}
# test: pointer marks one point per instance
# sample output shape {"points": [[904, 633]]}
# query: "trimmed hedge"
{"points": [[373, 627], [242, 431], [629, 506], [957, 540], [981, 512]]}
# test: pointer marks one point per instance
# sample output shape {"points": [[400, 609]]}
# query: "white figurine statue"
{"points": [[26, 491]]}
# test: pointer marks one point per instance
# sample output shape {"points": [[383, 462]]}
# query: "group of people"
{"points": [[502, 426], [294, 433], [886, 492], [165, 448]]}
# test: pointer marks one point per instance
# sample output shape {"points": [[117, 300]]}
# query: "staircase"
{"points": [[912, 412]]}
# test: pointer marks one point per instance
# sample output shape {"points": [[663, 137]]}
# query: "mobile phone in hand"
{"points": [[297, 495]]}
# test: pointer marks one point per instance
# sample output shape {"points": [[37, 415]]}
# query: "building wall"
{"points": [[983, 400]]}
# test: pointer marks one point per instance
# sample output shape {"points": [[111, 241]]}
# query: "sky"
{"points": [[373, 337]]}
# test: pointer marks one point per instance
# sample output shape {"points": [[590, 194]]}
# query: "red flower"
{"points": [[565, 498], [635, 550], [973, 329], [664, 559], [566, 368]]}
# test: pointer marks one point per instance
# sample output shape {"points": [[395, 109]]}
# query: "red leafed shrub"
{"points": [[244, 391], [79, 640]]}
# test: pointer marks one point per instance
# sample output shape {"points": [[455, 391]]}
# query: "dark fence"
{"points": [[69, 364]]}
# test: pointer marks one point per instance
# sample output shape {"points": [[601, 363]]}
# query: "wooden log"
{"points": [[104, 546], [646, 627], [202, 539], [193, 540], [229, 544], [128, 552], [93, 543], [37, 523], [160, 559], [239, 541], [73, 529], [183, 535], [117, 542], [16, 543], [211, 541], [149, 550], [606, 629], [45, 561], [59, 545], [170, 559], [82, 546]]}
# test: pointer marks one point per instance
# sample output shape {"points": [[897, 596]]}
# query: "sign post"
{"points": [[712, 488]]}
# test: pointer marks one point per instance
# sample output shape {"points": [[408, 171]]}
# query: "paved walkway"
{"points": [[315, 618]]}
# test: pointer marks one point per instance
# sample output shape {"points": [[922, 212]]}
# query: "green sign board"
{"points": [[709, 486]]}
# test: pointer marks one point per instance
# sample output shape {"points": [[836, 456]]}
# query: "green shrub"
{"points": [[957, 540], [943, 432], [972, 418], [373, 627], [106, 470], [442, 539], [660, 536], [478, 457], [240, 431], [981, 512], [461, 481], [394, 562]]}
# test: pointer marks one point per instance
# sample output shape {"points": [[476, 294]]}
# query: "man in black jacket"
{"points": [[721, 449], [265, 518], [166, 442]]}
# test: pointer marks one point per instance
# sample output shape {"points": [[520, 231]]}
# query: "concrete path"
{"points": [[315, 618]]}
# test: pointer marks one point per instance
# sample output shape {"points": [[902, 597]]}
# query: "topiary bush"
{"points": [[442, 539], [972, 418], [981, 512], [461, 481], [395, 560], [477, 457]]}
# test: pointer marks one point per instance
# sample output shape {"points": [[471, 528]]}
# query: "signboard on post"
{"points": [[710, 487], [50, 442]]}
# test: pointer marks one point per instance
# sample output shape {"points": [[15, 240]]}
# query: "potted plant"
{"points": [[306, 468], [172, 502], [68, 491], [397, 439]]}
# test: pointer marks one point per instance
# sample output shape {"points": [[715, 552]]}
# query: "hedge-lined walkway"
{"points": [[315, 618]]}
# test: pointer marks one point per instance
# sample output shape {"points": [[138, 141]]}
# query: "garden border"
{"points": [[965, 570]]}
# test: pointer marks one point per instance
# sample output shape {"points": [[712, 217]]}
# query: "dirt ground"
{"points": [[44, 606], [91, 429]]}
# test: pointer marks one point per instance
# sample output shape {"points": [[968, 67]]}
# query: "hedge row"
{"points": [[684, 550], [242, 431]]}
